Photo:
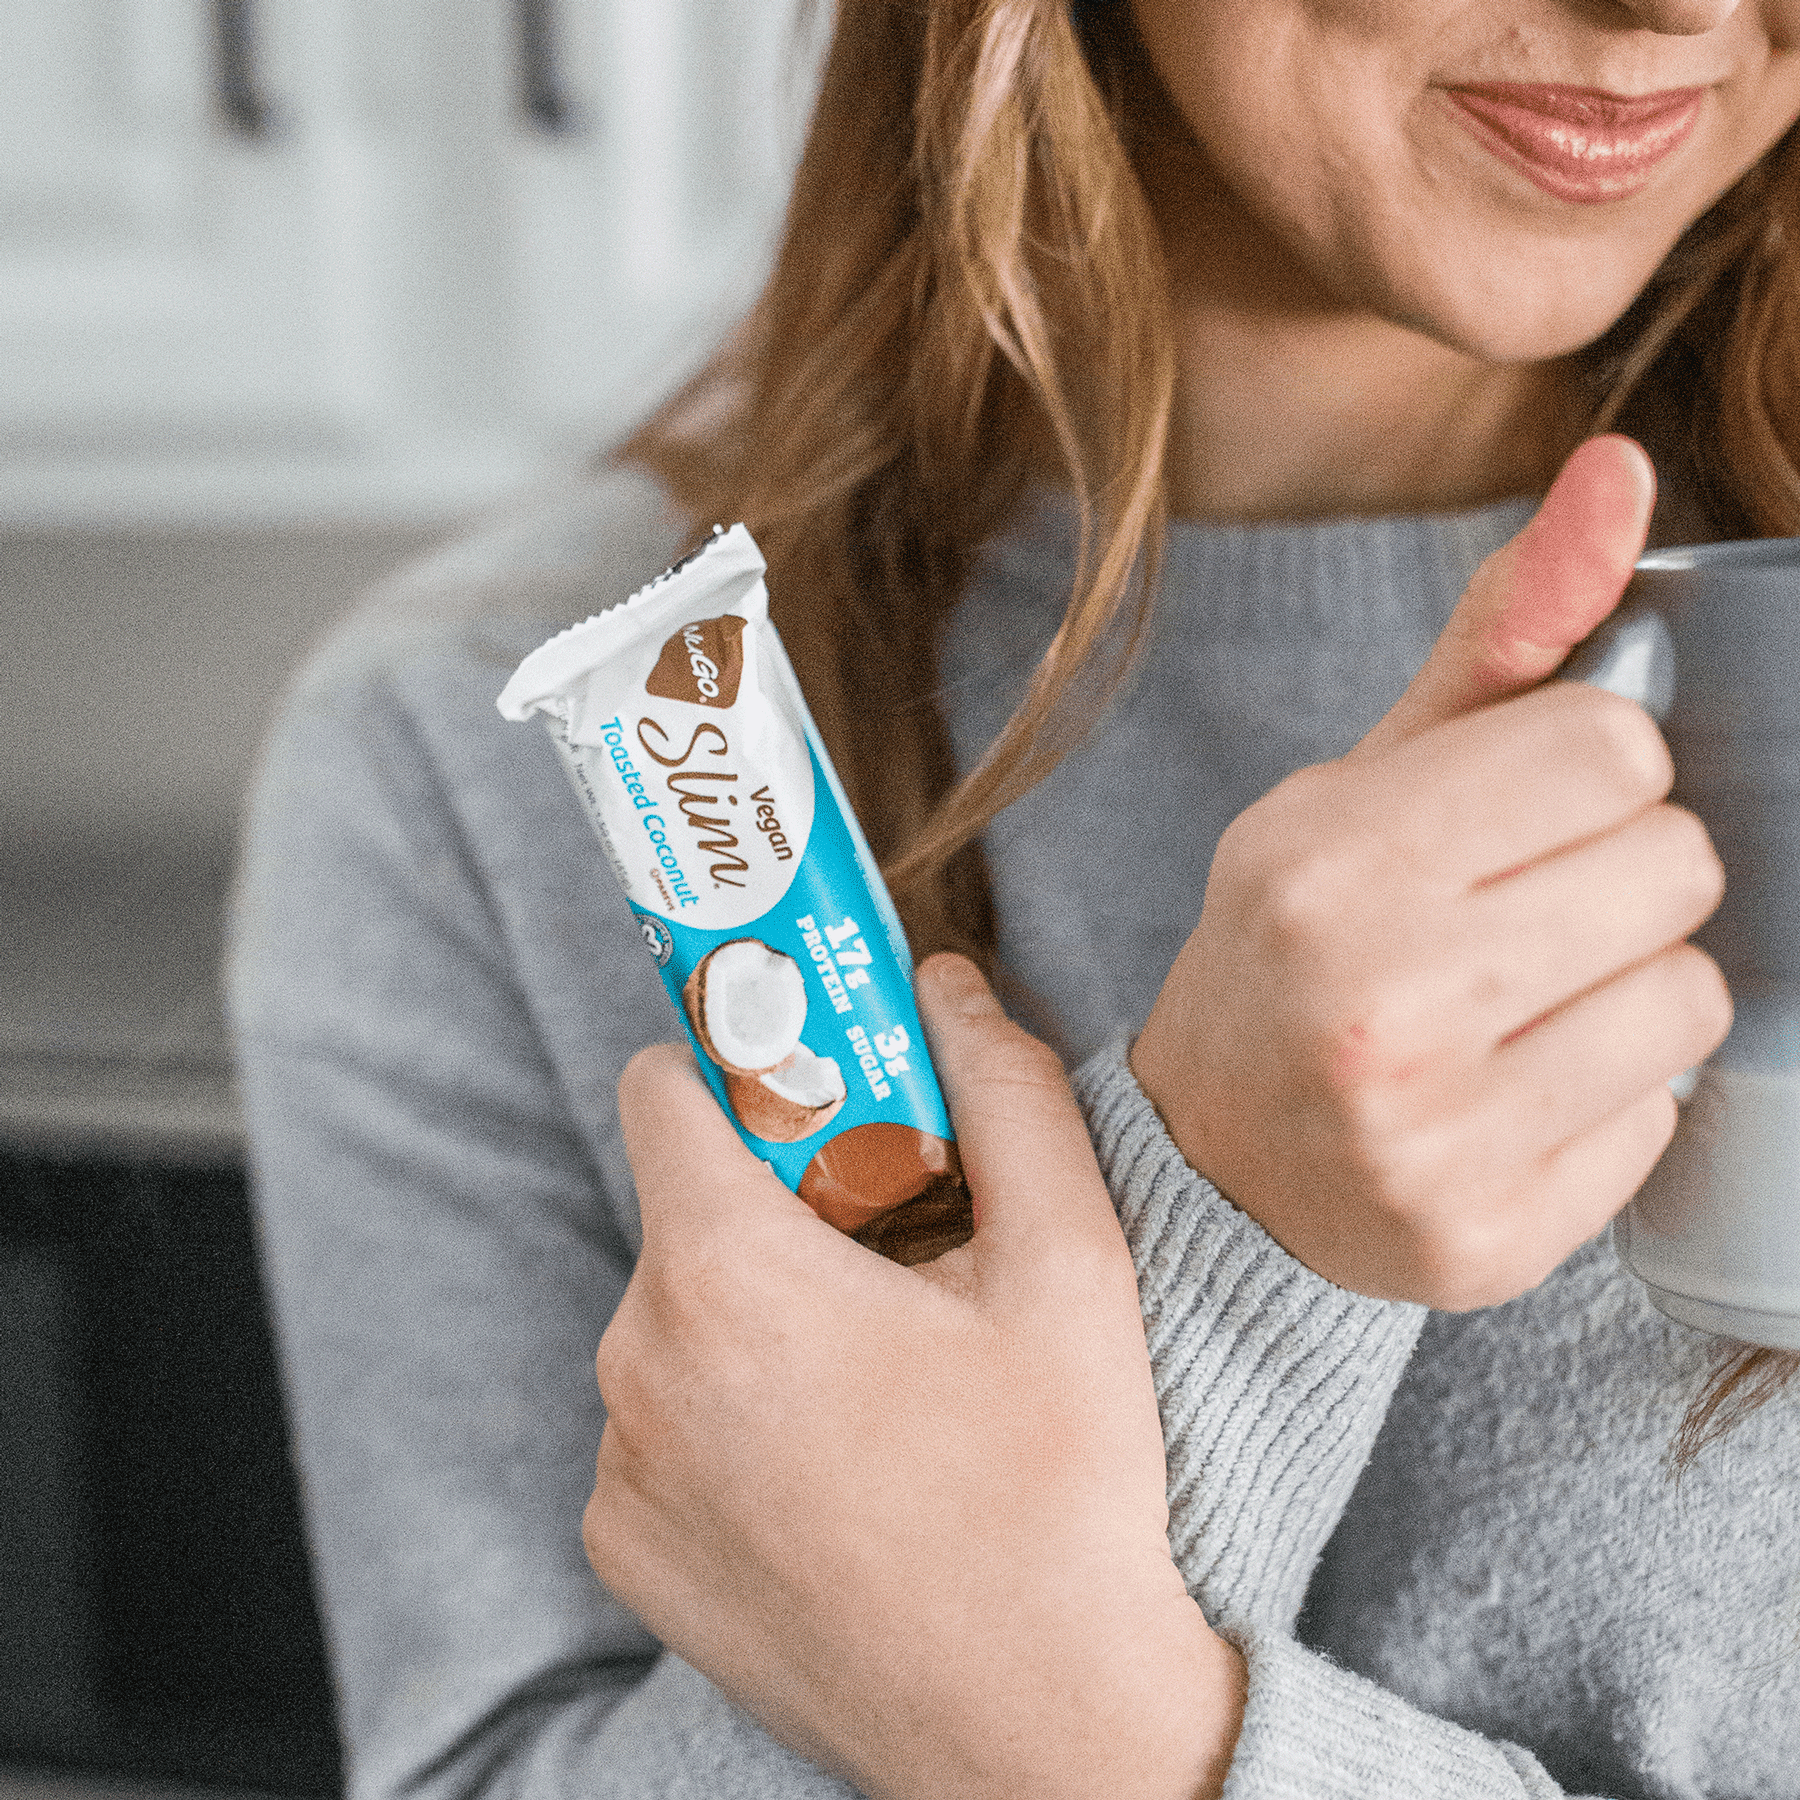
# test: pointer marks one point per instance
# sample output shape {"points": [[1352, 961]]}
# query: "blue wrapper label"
{"points": [[859, 1011]]}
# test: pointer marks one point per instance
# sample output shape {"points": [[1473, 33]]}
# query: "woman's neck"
{"points": [[1279, 418]]}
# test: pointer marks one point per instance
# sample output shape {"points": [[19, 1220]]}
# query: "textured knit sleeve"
{"points": [[1272, 1383], [442, 1259], [1314, 1731]]}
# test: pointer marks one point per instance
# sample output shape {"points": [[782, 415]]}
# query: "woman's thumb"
{"points": [[1538, 596], [1025, 1150]]}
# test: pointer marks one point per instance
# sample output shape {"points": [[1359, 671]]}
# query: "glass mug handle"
{"points": [[1631, 654]]}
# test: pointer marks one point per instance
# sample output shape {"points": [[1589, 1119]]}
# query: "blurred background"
{"points": [[289, 289]]}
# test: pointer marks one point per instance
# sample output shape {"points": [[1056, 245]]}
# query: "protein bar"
{"points": [[683, 727]]}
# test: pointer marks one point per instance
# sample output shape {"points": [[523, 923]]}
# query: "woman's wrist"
{"points": [[1177, 1723]]}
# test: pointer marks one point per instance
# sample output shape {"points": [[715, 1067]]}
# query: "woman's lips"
{"points": [[1580, 144]]}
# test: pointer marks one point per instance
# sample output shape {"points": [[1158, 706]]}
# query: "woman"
{"points": [[1340, 287]]}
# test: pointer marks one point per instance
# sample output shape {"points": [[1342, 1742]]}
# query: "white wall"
{"points": [[405, 293], [241, 375]]}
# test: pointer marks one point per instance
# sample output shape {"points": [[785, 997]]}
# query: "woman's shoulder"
{"points": [[390, 723], [401, 837], [389, 729]]}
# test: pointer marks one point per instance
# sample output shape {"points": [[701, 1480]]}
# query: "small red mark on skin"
{"points": [[1350, 1058], [1356, 1060]]}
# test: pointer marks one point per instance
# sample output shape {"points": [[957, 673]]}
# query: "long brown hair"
{"points": [[971, 294]]}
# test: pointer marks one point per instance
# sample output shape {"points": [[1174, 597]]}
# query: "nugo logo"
{"points": [[701, 664]]}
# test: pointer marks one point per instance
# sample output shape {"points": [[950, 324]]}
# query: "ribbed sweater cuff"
{"points": [[1313, 1731], [1272, 1381]]}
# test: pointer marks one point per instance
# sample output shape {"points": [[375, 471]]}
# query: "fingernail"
{"points": [[1642, 468], [1620, 456], [954, 981]]}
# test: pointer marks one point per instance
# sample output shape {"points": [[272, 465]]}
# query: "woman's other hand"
{"points": [[912, 1519], [1424, 1028]]}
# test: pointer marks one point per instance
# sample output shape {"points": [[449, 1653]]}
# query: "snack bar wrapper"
{"points": [[682, 724]]}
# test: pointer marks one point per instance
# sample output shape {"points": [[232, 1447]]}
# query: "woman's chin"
{"points": [[1515, 321]]}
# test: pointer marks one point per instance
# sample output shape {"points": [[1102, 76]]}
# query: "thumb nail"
{"points": [[956, 984], [1577, 552]]}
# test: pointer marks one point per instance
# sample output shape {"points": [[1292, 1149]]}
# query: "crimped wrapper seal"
{"points": [[683, 727]]}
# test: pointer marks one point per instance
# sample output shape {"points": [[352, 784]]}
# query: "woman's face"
{"points": [[1503, 174]]}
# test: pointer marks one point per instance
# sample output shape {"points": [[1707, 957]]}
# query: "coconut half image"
{"points": [[790, 1101], [746, 1003]]}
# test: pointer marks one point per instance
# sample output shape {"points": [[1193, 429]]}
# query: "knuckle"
{"points": [[1661, 1121], [603, 1501], [1306, 790], [1263, 835], [1242, 850], [1351, 1059], [613, 1363], [1474, 1264], [1436, 1266], [1702, 992], [1449, 1285], [641, 1426], [595, 1537], [661, 1330], [1022, 1060], [1372, 1056], [605, 1536], [1623, 740], [1648, 1130], [1386, 1171], [1693, 863], [1083, 1263], [1306, 900], [708, 1314], [630, 1405], [676, 1301]]}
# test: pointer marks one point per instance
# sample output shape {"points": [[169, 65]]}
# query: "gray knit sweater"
{"points": [[1448, 1544]]}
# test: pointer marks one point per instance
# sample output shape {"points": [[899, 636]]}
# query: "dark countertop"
{"points": [[20, 1785]]}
